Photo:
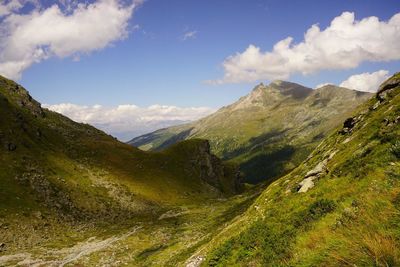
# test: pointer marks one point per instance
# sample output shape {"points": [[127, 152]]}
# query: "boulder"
{"points": [[312, 175], [306, 184], [319, 169], [348, 125], [388, 86]]}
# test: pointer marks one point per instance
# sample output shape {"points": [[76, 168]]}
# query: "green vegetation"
{"points": [[72, 195], [268, 132], [351, 215], [62, 183]]}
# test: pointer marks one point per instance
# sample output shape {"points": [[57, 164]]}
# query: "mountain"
{"points": [[63, 182], [340, 207], [268, 132], [70, 195]]}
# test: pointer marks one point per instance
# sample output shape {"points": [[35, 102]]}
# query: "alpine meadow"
{"points": [[199, 133]]}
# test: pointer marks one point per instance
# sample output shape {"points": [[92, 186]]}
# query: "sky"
{"points": [[132, 66]]}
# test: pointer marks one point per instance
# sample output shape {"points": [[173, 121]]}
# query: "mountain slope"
{"points": [[58, 177], [268, 132], [340, 207]]}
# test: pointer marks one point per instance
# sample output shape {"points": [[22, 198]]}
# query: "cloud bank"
{"points": [[26, 39], [128, 121], [366, 82], [344, 44]]}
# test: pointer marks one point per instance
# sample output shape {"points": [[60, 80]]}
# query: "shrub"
{"points": [[315, 211]]}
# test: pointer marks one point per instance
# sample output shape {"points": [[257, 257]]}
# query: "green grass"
{"points": [[350, 218], [66, 181]]}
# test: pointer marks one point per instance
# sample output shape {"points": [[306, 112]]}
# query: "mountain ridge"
{"points": [[339, 207], [282, 121]]}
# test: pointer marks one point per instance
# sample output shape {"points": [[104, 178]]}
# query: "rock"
{"points": [[376, 105], [348, 125], [2, 247], [387, 86], [307, 184], [320, 168], [196, 261], [312, 175], [347, 140], [332, 154]]}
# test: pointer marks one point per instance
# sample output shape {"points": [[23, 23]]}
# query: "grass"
{"points": [[350, 218], [66, 182]]}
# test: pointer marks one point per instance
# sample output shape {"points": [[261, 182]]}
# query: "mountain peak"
{"points": [[295, 90]]}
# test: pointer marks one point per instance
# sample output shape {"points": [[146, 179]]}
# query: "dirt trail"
{"points": [[65, 255]]}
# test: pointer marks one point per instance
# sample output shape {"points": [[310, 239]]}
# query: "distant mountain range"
{"points": [[268, 132]]}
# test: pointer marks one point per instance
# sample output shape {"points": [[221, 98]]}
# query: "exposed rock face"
{"points": [[21, 97], [388, 86], [212, 171]]}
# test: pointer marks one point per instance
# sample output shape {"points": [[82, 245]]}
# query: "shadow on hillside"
{"points": [[266, 167], [174, 139]]}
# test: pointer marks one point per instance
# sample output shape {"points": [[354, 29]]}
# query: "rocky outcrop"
{"points": [[21, 97], [212, 170], [388, 86]]}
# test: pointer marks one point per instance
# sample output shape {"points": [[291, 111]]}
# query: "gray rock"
{"points": [[312, 175], [196, 261], [319, 169], [386, 87], [307, 184]]}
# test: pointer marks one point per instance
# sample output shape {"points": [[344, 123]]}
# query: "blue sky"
{"points": [[155, 64]]}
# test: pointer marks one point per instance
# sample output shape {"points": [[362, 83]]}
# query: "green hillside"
{"points": [[62, 182], [340, 207], [268, 132], [70, 195]]}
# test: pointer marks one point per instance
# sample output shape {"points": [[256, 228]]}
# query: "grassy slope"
{"points": [[268, 132], [64, 181], [350, 218]]}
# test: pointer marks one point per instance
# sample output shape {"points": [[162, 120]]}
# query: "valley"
{"points": [[268, 132], [71, 195]]}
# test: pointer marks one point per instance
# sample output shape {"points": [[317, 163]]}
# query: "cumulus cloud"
{"points": [[344, 44], [366, 82], [189, 35], [74, 30], [128, 121]]}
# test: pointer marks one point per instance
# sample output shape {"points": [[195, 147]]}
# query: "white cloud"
{"points": [[9, 6], [189, 35], [366, 82], [128, 121], [26, 39], [344, 44]]}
